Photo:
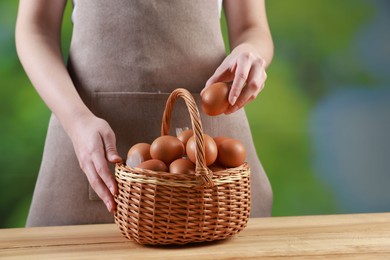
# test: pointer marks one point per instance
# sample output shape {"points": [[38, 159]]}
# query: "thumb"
{"points": [[109, 143], [222, 74]]}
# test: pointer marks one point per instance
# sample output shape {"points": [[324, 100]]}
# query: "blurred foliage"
{"points": [[314, 46], [314, 51], [23, 123]]}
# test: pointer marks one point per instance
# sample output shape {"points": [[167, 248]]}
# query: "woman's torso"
{"points": [[125, 57], [145, 46]]}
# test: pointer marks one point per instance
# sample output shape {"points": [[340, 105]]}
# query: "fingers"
{"points": [[243, 66], [109, 143], [254, 85], [246, 71], [102, 170], [94, 149], [222, 74], [95, 178]]}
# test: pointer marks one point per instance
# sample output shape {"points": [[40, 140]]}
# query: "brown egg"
{"points": [[182, 166], [215, 99], [167, 148], [219, 139], [185, 135], [154, 165], [210, 147], [138, 153], [231, 153]]}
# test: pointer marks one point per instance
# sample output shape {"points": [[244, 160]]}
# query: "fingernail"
{"points": [[233, 101], [116, 158], [110, 206], [112, 190]]}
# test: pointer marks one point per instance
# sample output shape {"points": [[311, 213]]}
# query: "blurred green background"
{"points": [[324, 50]]}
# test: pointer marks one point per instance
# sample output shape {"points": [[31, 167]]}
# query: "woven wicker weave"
{"points": [[158, 208]]}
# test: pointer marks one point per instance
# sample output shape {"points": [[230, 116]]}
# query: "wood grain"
{"points": [[363, 236]]}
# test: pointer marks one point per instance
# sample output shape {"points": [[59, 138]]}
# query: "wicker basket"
{"points": [[157, 208]]}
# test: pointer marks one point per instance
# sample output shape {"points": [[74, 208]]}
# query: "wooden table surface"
{"points": [[363, 236]]}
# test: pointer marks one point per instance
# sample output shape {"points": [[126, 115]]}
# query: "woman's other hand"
{"points": [[95, 146]]}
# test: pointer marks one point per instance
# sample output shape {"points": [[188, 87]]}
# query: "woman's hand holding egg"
{"points": [[246, 70]]}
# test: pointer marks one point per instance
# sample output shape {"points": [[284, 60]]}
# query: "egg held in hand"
{"points": [[167, 148], [209, 146], [215, 99]]}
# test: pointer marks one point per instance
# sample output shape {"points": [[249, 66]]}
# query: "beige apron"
{"points": [[126, 56]]}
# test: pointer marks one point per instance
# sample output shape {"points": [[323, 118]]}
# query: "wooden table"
{"points": [[343, 236]]}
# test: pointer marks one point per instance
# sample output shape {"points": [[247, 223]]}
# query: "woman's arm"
{"points": [[248, 24], [252, 51], [38, 33]]}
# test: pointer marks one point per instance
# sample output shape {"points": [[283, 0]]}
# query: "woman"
{"points": [[125, 58]]}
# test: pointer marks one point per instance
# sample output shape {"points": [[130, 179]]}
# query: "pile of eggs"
{"points": [[177, 154]]}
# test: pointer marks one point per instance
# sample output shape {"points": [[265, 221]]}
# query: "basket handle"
{"points": [[201, 169]]}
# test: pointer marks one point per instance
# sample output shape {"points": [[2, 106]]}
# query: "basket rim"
{"points": [[133, 174]]}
